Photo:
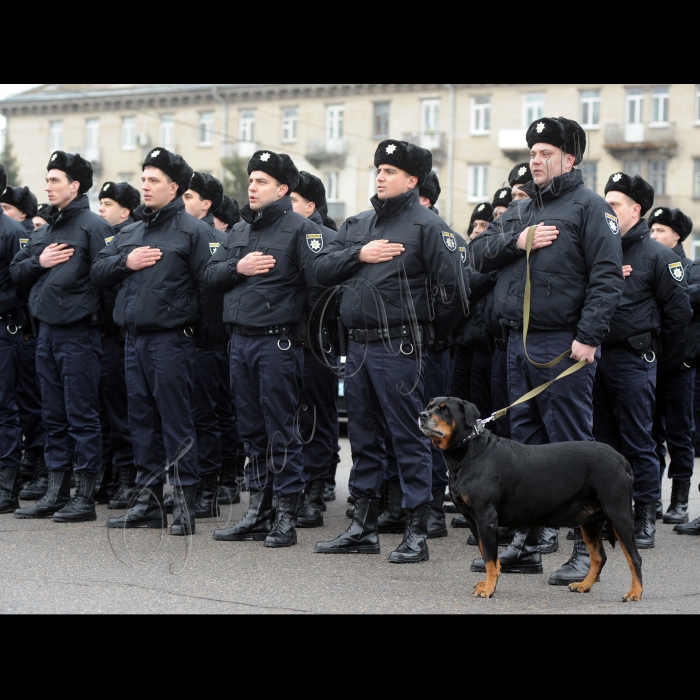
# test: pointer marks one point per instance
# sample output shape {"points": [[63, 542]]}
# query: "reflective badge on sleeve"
{"points": [[109, 240], [449, 240], [463, 254], [676, 270], [314, 241], [611, 221], [23, 242], [213, 247]]}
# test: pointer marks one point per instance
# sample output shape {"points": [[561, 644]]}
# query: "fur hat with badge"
{"points": [[74, 166], [406, 156], [122, 193], [520, 175], [277, 165], [311, 188], [482, 212], [635, 188], [502, 198], [173, 165], [20, 197], [431, 188], [208, 187], [560, 132], [674, 219], [45, 211], [228, 211]]}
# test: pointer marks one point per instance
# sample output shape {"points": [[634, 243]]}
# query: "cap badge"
{"points": [[502, 194], [480, 207], [265, 157], [658, 212], [54, 156], [540, 127], [155, 154], [105, 188], [522, 171], [390, 149], [616, 177]]}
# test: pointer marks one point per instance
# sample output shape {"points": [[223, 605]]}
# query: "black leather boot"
{"points": [[229, 492], [169, 502], [27, 466], [128, 490], [677, 512], [81, 507], [10, 484], [437, 526], [148, 511], [283, 533], [691, 528], [659, 509], [109, 483], [206, 505], [505, 536], [393, 518], [644, 524], [328, 492], [549, 540], [255, 524], [40, 480], [414, 547], [56, 496], [361, 536], [311, 512], [577, 567], [184, 512], [521, 556]]}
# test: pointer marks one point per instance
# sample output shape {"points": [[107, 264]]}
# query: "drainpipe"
{"points": [[450, 155], [224, 128]]}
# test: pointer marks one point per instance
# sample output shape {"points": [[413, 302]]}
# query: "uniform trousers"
{"points": [[206, 420], [10, 432], [29, 396]]}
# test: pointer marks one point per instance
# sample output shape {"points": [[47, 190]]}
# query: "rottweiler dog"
{"points": [[494, 481]]}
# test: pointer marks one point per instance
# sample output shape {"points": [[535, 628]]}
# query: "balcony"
{"points": [[622, 140], [514, 144], [434, 141], [327, 152]]}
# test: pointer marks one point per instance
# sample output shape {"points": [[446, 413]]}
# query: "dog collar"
{"points": [[477, 429]]}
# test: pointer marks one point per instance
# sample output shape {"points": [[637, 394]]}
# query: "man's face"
{"points": [[497, 211], [158, 189], [38, 222], [626, 210], [665, 234], [60, 192], [220, 225], [195, 205], [14, 213], [392, 181], [547, 162], [518, 193], [113, 212], [302, 206], [263, 189], [479, 227]]}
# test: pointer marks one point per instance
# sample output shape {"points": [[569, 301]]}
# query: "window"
{"points": [[481, 114], [478, 183], [128, 177], [334, 122], [696, 178], [634, 128], [56, 136], [246, 125], [290, 118], [590, 175], [695, 247], [128, 133], [657, 177], [330, 180], [167, 132], [380, 120], [206, 128], [430, 124], [632, 168], [590, 108], [92, 139], [659, 106], [533, 107]]}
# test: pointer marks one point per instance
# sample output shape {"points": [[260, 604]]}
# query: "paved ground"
{"points": [[48, 567]]}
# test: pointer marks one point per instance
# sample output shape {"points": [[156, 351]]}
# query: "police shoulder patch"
{"points": [[677, 271], [611, 221], [463, 253], [23, 242], [448, 239], [314, 241], [109, 240], [213, 247]]}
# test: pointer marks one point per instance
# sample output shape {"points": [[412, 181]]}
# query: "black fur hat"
{"points": [[228, 211], [502, 198], [277, 165], [560, 132], [520, 174], [208, 187], [172, 164], [407, 156], [122, 193], [310, 187], [74, 166], [20, 197], [43, 210], [3, 178], [431, 188], [635, 188], [674, 218], [483, 212]]}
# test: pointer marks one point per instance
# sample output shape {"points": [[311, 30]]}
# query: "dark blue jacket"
{"points": [[11, 233]]}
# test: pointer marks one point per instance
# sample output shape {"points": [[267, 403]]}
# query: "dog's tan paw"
{"points": [[631, 597], [579, 587]]}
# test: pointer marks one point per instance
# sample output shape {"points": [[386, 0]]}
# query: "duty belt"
{"points": [[8, 318], [268, 330], [325, 343], [371, 335]]}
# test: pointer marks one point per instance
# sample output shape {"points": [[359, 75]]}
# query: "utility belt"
{"points": [[647, 345], [325, 343], [502, 342], [446, 344], [187, 330], [292, 333], [15, 320], [422, 335]]}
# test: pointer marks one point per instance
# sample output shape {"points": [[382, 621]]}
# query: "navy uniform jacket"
{"points": [[577, 281], [692, 338], [169, 294], [10, 235], [278, 297], [419, 286], [64, 294], [319, 295], [655, 296]]}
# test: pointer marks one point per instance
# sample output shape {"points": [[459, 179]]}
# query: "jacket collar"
{"points": [[71, 210], [167, 212], [123, 224], [316, 218], [267, 215], [636, 233], [558, 186], [395, 205]]}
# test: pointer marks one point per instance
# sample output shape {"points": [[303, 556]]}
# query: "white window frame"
{"points": [[290, 121], [331, 181], [590, 102], [56, 135], [658, 191], [533, 107], [166, 131], [478, 183], [246, 125], [660, 102], [206, 128], [128, 134], [481, 115], [379, 134]]}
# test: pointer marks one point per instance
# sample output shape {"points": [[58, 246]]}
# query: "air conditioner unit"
{"points": [[143, 140]]}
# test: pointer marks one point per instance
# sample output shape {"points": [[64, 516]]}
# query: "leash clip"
{"points": [[479, 426]]}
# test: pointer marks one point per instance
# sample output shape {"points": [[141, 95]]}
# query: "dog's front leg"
{"points": [[487, 537]]}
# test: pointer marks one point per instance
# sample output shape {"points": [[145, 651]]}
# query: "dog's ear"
{"points": [[471, 412]]}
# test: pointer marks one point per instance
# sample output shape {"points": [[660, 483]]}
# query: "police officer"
{"points": [[264, 266], [19, 203], [501, 200], [576, 284], [482, 214], [117, 202], [390, 260], [675, 383], [520, 175], [56, 265], [226, 214], [651, 319], [163, 306], [44, 212]]}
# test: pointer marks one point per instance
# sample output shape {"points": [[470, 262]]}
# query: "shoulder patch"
{"points": [[611, 221], [23, 242], [463, 253], [213, 247], [449, 240], [314, 241], [109, 240], [677, 271]]}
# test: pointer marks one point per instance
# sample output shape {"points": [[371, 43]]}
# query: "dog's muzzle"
{"points": [[428, 425]]}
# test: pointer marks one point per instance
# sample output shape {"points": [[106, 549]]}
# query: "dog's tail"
{"points": [[610, 535]]}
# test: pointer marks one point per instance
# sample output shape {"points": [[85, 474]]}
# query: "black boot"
{"points": [[521, 556], [184, 512], [81, 507], [393, 518], [311, 511], [255, 524], [148, 511], [169, 502], [206, 505], [549, 540], [56, 496], [644, 524], [108, 485], [39, 483], [578, 566], [229, 492], [10, 483], [27, 466], [283, 533], [361, 536], [677, 512], [328, 492], [505, 535], [127, 491], [437, 526], [691, 528], [414, 547], [659, 509]]}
